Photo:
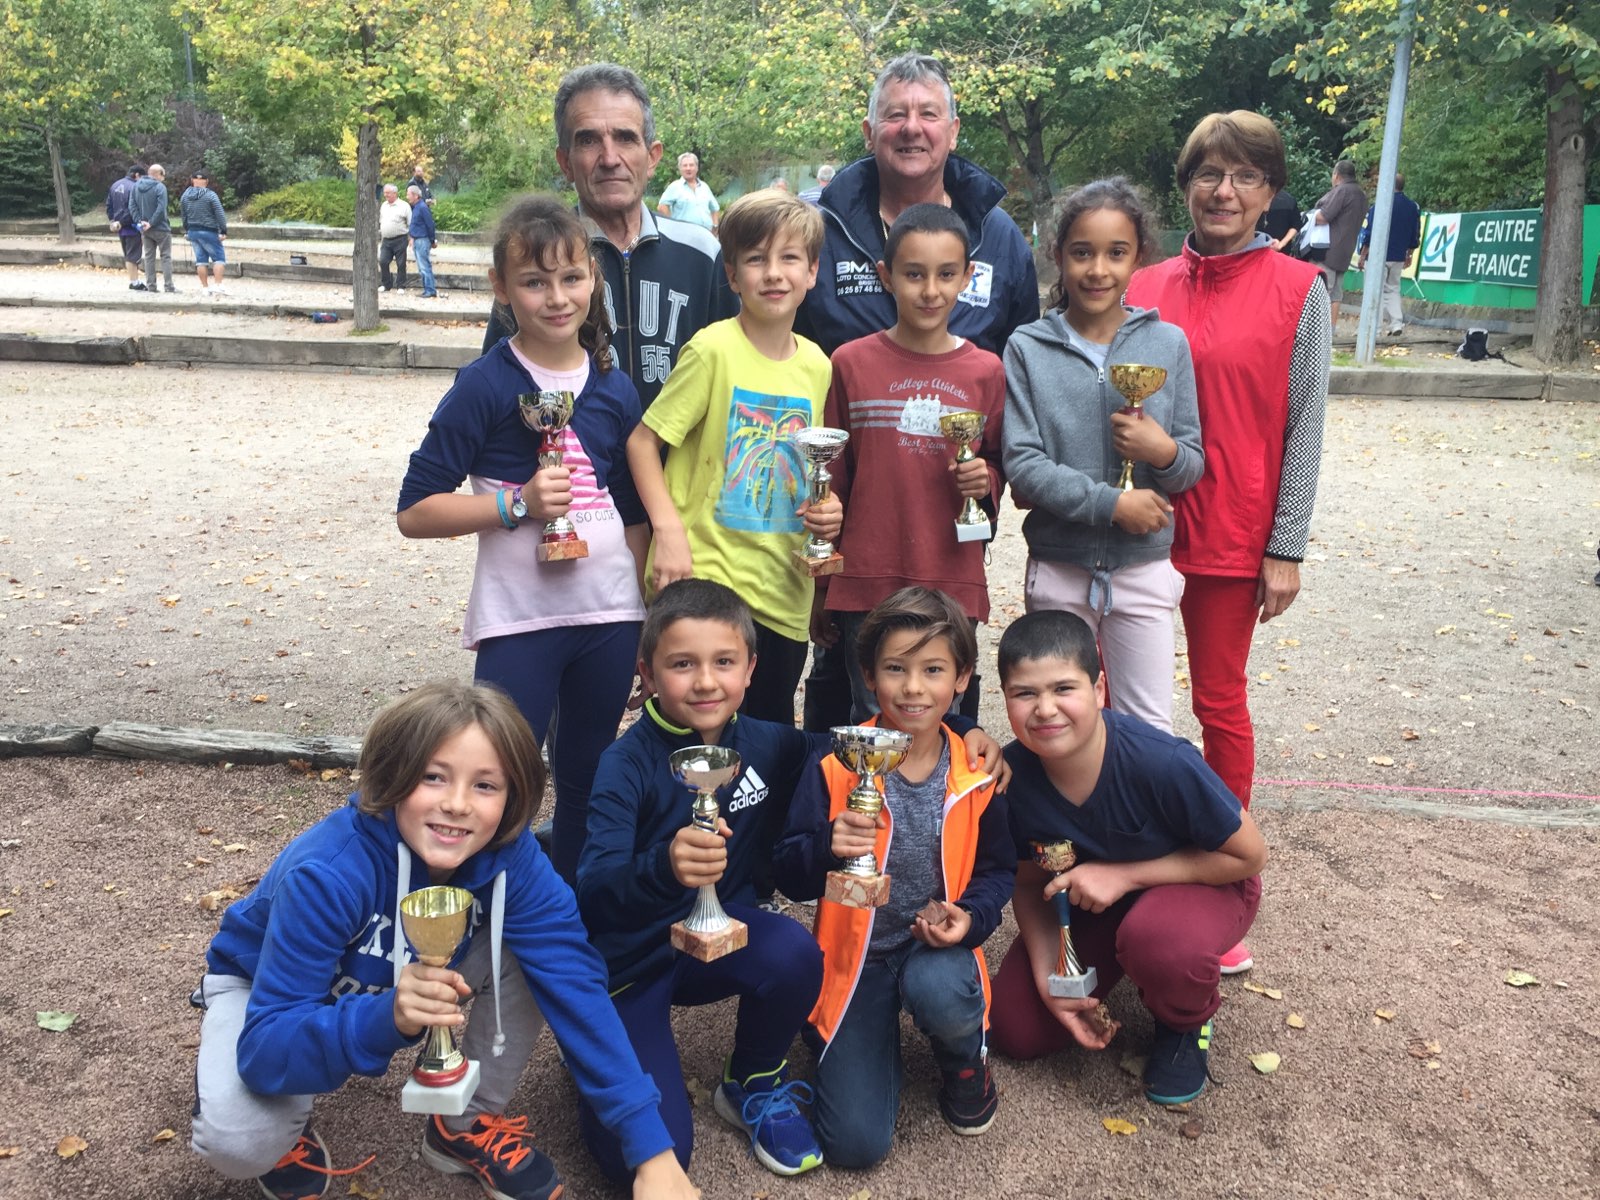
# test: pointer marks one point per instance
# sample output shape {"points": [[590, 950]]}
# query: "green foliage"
{"points": [[75, 65], [470, 211], [317, 202], [25, 178], [1465, 149]]}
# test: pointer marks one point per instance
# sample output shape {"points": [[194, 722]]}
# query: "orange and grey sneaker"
{"points": [[499, 1152], [303, 1173]]}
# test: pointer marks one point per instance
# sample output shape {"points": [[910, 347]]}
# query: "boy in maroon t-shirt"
{"points": [[897, 477]]}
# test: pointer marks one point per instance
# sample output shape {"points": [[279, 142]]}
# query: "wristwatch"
{"points": [[519, 506]]}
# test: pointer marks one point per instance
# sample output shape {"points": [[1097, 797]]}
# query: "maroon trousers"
{"points": [[1166, 939]]}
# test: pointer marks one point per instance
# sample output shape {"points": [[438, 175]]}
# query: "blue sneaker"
{"points": [[764, 1107], [1176, 1071]]}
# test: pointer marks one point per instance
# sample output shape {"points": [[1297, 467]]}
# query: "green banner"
{"points": [[1499, 247]]}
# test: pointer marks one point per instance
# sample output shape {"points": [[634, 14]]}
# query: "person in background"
{"points": [[1282, 220], [421, 184], [123, 225], [148, 207], [1405, 235], [1340, 209], [690, 198], [1261, 338], [813, 195], [423, 236], [206, 227], [394, 228]]}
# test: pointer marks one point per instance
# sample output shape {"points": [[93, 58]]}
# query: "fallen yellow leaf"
{"points": [[1118, 1126], [1380, 760], [10, 1151], [357, 1188], [1520, 979], [1271, 993], [71, 1146], [260, 698], [1384, 1014], [166, 1135], [1311, 727], [1266, 1062], [1295, 1021]]}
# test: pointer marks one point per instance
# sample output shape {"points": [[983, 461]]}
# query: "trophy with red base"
{"points": [[868, 751], [435, 921], [547, 414], [708, 932]]}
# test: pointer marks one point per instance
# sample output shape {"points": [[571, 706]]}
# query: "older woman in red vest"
{"points": [[1261, 336]]}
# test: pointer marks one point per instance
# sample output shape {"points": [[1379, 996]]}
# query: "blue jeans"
{"points": [[422, 251], [571, 682], [860, 1074], [776, 976]]}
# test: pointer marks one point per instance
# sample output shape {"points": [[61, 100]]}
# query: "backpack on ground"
{"points": [[1475, 346]]}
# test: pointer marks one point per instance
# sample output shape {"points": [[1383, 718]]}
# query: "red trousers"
{"points": [[1166, 939], [1219, 618]]}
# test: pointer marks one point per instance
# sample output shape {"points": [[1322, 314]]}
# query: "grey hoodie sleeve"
{"points": [[1184, 429], [1037, 479]]}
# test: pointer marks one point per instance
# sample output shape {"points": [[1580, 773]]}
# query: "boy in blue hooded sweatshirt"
{"points": [[308, 981]]}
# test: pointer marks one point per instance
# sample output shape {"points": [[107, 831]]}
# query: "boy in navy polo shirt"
{"points": [[1166, 877]]}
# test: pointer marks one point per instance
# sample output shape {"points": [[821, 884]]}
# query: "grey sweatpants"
{"points": [[157, 241], [243, 1134]]}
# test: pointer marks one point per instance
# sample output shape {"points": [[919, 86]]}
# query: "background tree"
{"points": [[1549, 47], [73, 66], [362, 64]]}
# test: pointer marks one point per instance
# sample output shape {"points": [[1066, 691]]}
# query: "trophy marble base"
{"points": [[1078, 987], [562, 551], [448, 1101], [816, 567], [857, 891], [974, 533], [708, 947]]}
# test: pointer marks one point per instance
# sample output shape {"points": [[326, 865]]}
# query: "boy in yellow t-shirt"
{"points": [[730, 504]]}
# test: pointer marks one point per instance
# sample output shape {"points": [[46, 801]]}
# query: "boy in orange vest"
{"points": [[942, 839]]}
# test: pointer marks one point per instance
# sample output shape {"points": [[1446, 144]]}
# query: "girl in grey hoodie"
{"points": [[1094, 548]]}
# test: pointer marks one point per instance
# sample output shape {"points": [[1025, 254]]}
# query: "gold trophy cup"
{"points": [[869, 752], [547, 414], [1069, 977], [964, 427], [1137, 383], [819, 447], [708, 932], [435, 921]]}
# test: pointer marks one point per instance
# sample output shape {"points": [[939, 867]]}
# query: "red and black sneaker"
{"points": [[968, 1100]]}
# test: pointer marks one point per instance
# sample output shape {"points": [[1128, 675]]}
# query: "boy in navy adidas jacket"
{"points": [[642, 863]]}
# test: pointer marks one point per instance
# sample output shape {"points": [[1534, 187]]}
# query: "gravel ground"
{"points": [[206, 547]]}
